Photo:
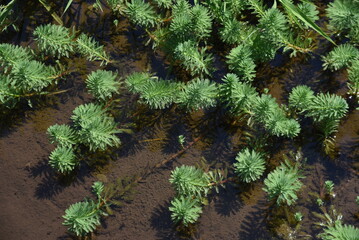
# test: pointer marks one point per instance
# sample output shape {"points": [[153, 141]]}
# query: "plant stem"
{"points": [[53, 14]]}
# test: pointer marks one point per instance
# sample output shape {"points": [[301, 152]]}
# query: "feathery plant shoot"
{"points": [[190, 181], [102, 84], [282, 184], [185, 210], [249, 165], [55, 40], [94, 127]]}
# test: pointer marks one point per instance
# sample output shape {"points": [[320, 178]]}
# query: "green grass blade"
{"points": [[67, 6], [53, 14], [300, 15]]}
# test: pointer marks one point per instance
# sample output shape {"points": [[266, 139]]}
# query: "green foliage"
{"points": [[329, 187], [11, 55], [8, 94], [32, 75], [240, 62], [7, 15], [298, 216], [159, 93], [301, 98], [310, 10], [63, 135], [344, 17], [102, 84], [141, 13], [325, 109], [163, 3], [235, 32], [266, 111], [274, 23], [225, 10], [156, 93], [282, 184], [353, 77], [197, 62], [201, 21], [340, 57], [185, 210], [236, 95], [137, 81], [91, 49], [198, 94], [249, 165], [339, 231], [82, 217], [181, 140], [190, 182], [327, 106], [94, 127], [55, 40], [63, 159], [305, 17]]}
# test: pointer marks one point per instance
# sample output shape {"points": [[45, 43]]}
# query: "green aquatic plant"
{"points": [[298, 216], [197, 94], [339, 231], [11, 55], [55, 40], [249, 165], [103, 84], [181, 140], [154, 92], [141, 13], [353, 78], [190, 181], [197, 62], [192, 184], [7, 15], [159, 93], [282, 184], [185, 210], [233, 31], [236, 95], [83, 217], [325, 109], [163, 3], [327, 106], [340, 57], [301, 98], [63, 159], [91, 49], [329, 188], [344, 17], [32, 75], [266, 111], [94, 127], [240, 62], [63, 135], [136, 82]]}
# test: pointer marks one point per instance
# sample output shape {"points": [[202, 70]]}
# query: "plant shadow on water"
{"points": [[227, 203], [161, 222], [50, 185]]}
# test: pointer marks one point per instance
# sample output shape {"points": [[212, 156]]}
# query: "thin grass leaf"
{"points": [[51, 11], [67, 6], [295, 11]]}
